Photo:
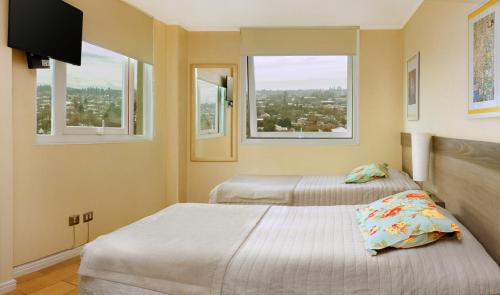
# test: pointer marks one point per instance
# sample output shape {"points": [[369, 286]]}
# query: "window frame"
{"points": [[127, 96], [63, 134], [249, 113]]}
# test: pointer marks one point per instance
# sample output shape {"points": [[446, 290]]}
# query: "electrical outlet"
{"points": [[89, 216], [74, 220]]}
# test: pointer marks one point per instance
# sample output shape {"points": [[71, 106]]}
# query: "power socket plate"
{"points": [[74, 220], [89, 216]]}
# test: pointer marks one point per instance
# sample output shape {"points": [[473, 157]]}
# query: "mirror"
{"points": [[213, 113]]}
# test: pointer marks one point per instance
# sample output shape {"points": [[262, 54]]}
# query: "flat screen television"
{"points": [[46, 28]]}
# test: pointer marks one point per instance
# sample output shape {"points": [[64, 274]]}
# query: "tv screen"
{"points": [[49, 28]]}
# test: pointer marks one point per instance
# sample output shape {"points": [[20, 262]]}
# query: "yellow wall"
{"points": [[439, 31], [6, 151], [119, 182], [175, 113], [380, 117]]}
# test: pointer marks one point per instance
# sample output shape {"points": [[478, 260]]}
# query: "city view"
{"points": [[313, 110], [43, 109], [84, 107], [92, 106], [301, 93]]}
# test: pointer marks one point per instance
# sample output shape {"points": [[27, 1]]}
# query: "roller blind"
{"points": [[115, 25], [299, 41]]}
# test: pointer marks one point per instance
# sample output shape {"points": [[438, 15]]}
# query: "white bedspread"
{"points": [[319, 250], [183, 249], [308, 190]]}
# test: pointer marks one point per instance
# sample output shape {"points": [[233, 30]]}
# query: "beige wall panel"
{"points": [[120, 182], [6, 150]]}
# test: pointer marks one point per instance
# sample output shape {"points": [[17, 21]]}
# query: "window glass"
{"points": [[44, 101], [208, 107], [301, 96], [94, 91], [108, 90], [143, 74]]}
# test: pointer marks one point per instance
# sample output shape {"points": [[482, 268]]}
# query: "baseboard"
{"points": [[33, 266], [7, 286]]}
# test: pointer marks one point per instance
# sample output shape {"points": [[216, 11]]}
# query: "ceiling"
{"points": [[230, 15]]}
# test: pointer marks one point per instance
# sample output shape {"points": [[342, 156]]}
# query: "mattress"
{"points": [[308, 190], [292, 250]]}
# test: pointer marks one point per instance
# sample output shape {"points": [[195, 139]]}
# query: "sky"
{"points": [[103, 69], [208, 92], [300, 72], [271, 72]]}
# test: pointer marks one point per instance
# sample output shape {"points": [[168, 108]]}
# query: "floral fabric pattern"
{"points": [[405, 220], [367, 173]]}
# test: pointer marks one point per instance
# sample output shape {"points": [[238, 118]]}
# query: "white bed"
{"points": [[234, 249], [308, 190]]}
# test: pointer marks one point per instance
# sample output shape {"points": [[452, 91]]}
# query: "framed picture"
{"points": [[484, 97], [413, 88]]}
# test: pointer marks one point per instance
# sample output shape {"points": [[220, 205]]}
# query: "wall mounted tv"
{"points": [[46, 28]]}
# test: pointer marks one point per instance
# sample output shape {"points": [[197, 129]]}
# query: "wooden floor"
{"points": [[59, 279]]}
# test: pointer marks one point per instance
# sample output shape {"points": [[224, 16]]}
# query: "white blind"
{"points": [[115, 25]]}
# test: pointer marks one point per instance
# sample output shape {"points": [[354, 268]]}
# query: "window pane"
{"points": [[44, 101], [95, 90], [301, 93], [142, 90], [208, 107]]}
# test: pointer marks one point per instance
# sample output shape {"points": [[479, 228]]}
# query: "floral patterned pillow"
{"points": [[367, 173], [405, 220]]}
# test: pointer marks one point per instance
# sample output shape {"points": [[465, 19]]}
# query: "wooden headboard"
{"points": [[465, 174]]}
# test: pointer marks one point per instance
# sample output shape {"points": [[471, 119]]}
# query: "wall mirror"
{"points": [[213, 113]]}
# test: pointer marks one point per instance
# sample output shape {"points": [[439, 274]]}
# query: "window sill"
{"points": [[301, 141], [90, 139]]}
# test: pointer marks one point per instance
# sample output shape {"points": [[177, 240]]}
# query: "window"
{"points": [[44, 101], [108, 96], [300, 97], [211, 99], [96, 91]]}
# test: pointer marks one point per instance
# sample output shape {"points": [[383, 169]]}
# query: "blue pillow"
{"points": [[404, 220]]}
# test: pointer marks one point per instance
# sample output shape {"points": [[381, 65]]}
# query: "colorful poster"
{"points": [[483, 98]]}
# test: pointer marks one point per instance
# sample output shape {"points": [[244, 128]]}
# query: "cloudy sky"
{"points": [[300, 72], [103, 69]]}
